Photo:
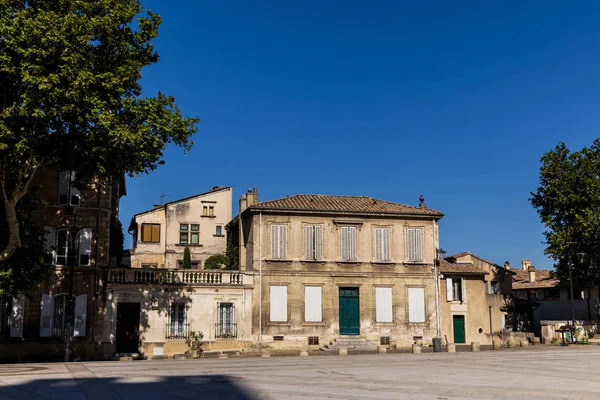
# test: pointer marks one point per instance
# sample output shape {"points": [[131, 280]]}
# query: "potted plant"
{"points": [[194, 342]]}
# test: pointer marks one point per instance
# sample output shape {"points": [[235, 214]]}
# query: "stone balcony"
{"points": [[178, 277]]}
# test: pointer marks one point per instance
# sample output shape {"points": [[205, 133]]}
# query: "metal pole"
{"points": [[260, 282], [491, 328], [572, 298]]}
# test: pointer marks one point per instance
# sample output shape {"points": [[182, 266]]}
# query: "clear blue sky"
{"points": [[453, 100]]}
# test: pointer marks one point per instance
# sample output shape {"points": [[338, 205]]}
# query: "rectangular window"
{"points": [[5, 313], [194, 234], [278, 304], [312, 304], [495, 288], [313, 340], [312, 242], [68, 194], [63, 315], [208, 211], [416, 305], [177, 328], [414, 244], [348, 243], [382, 244], [226, 327], [279, 241], [65, 250], [151, 233], [84, 246], [454, 289], [184, 233], [219, 230], [383, 304]]}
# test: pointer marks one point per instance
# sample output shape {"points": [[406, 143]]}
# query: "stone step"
{"points": [[350, 343]]}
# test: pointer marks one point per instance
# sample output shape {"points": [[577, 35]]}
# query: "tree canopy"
{"points": [[568, 202], [70, 96]]}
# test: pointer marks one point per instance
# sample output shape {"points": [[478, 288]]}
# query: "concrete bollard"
{"points": [[303, 353], [535, 340], [265, 354], [222, 356], [475, 346], [451, 348], [343, 351], [524, 343], [416, 349], [512, 344], [497, 345], [381, 349]]}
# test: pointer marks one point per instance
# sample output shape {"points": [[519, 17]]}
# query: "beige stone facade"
{"points": [[332, 266]]}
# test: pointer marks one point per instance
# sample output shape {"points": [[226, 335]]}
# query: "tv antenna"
{"points": [[162, 196]]}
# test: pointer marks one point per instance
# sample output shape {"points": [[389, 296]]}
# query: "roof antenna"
{"points": [[162, 196]]}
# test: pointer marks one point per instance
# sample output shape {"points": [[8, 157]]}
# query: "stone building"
{"points": [[80, 226], [474, 293], [153, 306], [332, 267]]}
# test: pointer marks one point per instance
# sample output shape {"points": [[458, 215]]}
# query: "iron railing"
{"points": [[175, 277], [225, 331], [177, 331]]}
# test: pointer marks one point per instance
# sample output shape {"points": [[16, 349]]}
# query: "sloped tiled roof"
{"points": [[543, 280], [449, 268], [352, 204]]}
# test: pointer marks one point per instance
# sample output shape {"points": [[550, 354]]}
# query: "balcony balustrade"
{"points": [[175, 277]]}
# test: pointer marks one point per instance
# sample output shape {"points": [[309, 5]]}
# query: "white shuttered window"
{"points": [[414, 244], [278, 304], [383, 304], [312, 304], [416, 305], [312, 242], [279, 241], [348, 243], [382, 244]]}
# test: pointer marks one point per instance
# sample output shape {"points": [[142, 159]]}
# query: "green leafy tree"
{"points": [[70, 97], [568, 203], [187, 259], [215, 261]]}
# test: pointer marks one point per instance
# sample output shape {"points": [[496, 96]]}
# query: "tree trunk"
{"points": [[14, 237]]}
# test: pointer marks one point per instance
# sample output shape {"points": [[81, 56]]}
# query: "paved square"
{"points": [[540, 373]]}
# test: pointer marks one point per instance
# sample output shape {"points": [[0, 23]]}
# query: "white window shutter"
{"points": [[16, 317], [274, 241], [312, 304], [80, 315], [410, 244], [74, 191], [284, 241], [352, 231], [46, 316], [449, 296], [318, 243], [344, 243], [84, 242], [278, 304], [377, 244], [387, 251], [419, 244], [383, 304], [464, 290], [416, 305], [308, 242]]}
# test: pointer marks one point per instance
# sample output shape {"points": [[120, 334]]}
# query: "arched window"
{"points": [[73, 249]]}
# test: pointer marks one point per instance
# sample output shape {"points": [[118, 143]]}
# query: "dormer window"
{"points": [[68, 194]]}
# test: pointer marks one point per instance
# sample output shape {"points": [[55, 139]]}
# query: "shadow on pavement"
{"points": [[215, 387]]}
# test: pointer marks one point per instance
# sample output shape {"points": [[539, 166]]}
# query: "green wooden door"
{"points": [[459, 328], [349, 311]]}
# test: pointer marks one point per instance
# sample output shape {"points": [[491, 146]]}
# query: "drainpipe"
{"points": [[260, 282], [437, 280]]}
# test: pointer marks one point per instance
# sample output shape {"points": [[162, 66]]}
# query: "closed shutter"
{"points": [[344, 243], [84, 243], [318, 243], [16, 317], [414, 244], [46, 316], [309, 247], [348, 243], [449, 296], [80, 315], [387, 252], [382, 244], [278, 304], [416, 305], [383, 304], [278, 241], [419, 244], [312, 304], [463, 289], [378, 244]]}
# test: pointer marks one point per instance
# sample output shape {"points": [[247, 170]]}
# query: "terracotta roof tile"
{"points": [[353, 204], [447, 267], [543, 279]]}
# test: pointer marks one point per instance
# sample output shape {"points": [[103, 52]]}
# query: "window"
{"points": [[194, 234], [454, 289], [208, 211], [71, 251], [178, 326], [384, 340], [226, 328], [84, 246], [279, 241], [151, 233], [49, 245], [189, 233], [68, 194], [183, 233], [383, 304], [313, 340], [348, 243], [278, 304], [63, 315], [414, 244], [312, 242], [416, 305], [219, 231], [5, 312], [382, 244], [312, 304], [495, 287]]}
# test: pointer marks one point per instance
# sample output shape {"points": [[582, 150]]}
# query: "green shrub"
{"points": [[215, 261]]}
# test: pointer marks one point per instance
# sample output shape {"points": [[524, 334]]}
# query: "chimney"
{"points": [[422, 202], [531, 274], [248, 199], [507, 265], [525, 264]]}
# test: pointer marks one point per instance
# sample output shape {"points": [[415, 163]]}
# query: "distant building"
{"points": [[334, 268]]}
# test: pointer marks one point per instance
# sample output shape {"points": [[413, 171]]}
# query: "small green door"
{"points": [[459, 328], [349, 312]]}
